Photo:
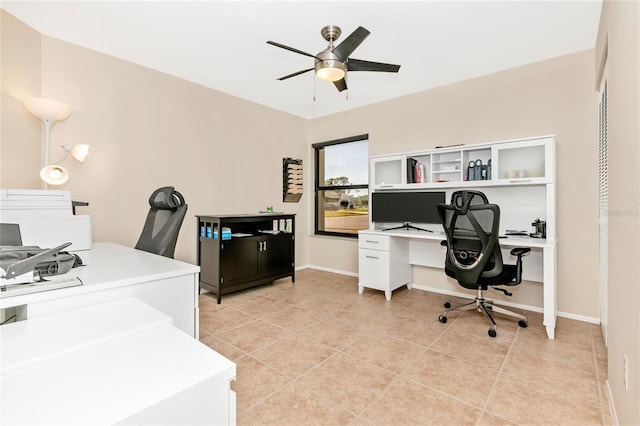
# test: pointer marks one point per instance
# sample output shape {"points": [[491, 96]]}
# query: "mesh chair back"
{"points": [[471, 226], [164, 220]]}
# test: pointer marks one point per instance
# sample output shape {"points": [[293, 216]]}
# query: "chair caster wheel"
{"points": [[492, 332], [523, 323], [442, 319], [447, 304]]}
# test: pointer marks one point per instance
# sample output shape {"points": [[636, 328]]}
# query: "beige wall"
{"points": [[146, 130], [551, 97], [619, 44], [20, 137]]}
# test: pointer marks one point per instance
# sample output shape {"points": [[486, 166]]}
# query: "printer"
{"points": [[46, 218]]}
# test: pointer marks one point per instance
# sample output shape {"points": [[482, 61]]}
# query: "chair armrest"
{"points": [[520, 251]]}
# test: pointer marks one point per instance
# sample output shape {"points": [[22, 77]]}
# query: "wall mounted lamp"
{"points": [[54, 174]]}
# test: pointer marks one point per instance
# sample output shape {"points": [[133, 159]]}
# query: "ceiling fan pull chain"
{"points": [[314, 88]]}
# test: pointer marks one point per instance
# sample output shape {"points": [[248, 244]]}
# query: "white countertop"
{"points": [[439, 235]]}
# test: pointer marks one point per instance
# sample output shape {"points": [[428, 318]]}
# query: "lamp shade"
{"points": [[330, 69], [47, 109], [80, 151], [54, 175]]}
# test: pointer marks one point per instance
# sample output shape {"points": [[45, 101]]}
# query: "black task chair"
{"points": [[474, 257], [163, 223]]}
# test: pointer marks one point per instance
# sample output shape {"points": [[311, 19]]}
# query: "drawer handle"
{"points": [[372, 241], [372, 257]]}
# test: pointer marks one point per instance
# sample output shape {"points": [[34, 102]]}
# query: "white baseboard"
{"points": [[335, 271], [612, 407]]}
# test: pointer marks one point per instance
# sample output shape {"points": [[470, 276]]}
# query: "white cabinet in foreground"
{"points": [[121, 362]]}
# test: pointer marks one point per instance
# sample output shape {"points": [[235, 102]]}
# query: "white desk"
{"points": [[114, 272], [385, 259], [120, 362]]}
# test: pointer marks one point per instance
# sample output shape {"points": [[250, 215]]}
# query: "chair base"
{"points": [[487, 307]]}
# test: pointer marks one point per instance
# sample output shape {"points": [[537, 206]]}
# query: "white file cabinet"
{"points": [[383, 263]]}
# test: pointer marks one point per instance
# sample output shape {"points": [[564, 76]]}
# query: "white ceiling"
{"points": [[222, 44]]}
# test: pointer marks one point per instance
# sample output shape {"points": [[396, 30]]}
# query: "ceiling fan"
{"points": [[332, 63]]}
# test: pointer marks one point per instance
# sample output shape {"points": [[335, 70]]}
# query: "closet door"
{"points": [[603, 185]]}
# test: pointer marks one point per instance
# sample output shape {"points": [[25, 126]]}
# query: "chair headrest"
{"points": [[462, 200], [166, 198]]}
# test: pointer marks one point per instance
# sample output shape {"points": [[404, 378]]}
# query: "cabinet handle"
{"points": [[520, 181], [372, 241], [372, 257], [265, 246]]}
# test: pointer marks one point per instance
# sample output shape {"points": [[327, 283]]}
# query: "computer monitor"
{"points": [[406, 207], [10, 234]]}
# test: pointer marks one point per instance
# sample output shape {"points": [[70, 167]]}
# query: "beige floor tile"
{"points": [[253, 335], [295, 405], [457, 378], [563, 347], [421, 332], [347, 381], [480, 350], [561, 374], [385, 351], [488, 419], [524, 402], [409, 403], [293, 355], [223, 348], [262, 306], [254, 382], [295, 318], [334, 332], [223, 320]]}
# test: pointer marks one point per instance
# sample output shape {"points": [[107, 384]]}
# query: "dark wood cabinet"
{"points": [[236, 252]]}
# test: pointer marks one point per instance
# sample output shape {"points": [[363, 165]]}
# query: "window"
{"points": [[342, 186]]}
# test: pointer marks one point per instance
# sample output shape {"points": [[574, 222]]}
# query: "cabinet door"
{"points": [[373, 269], [208, 261], [525, 162], [277, 256], [239, 260]]}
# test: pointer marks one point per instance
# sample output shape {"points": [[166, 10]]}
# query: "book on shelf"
{"points": [[411, 170]]}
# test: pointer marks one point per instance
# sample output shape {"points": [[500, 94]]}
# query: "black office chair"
{"points": [[474, 257], [163, 223]]}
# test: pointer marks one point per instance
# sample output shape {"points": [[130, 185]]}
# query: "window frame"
{"points": [[318, 186]]}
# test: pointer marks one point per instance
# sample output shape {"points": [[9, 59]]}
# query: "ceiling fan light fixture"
{"points": [[330, 70]]}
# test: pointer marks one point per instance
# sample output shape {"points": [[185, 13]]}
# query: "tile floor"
{"points": [[315, 352]]}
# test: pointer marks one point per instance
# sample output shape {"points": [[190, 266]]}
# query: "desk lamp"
{"points": [[49, 111]]}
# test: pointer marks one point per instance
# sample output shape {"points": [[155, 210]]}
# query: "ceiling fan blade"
{"points": [[349, 44], [360, 65], [341, 84], [294, 74], [293, 49]]}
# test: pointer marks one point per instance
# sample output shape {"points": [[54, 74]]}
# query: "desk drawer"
{"points": [[375, 242], [373, 268]]}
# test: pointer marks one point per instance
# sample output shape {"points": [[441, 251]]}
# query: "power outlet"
{"points": [[625, 372]]}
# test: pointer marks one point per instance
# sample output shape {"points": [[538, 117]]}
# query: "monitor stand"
{"points": [[407, 226]]}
